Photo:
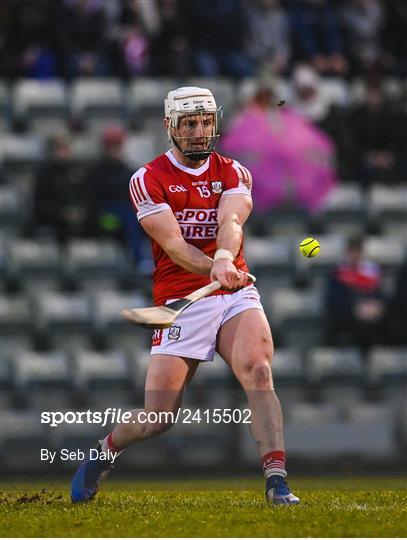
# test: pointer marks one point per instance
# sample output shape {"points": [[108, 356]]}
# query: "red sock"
{"points": [[111, 445], [274, 463]]}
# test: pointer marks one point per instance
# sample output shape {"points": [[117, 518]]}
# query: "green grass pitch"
{"points": [[356, 507]]}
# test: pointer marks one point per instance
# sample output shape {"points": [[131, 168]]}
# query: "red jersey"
{"points": [[193, 195]]}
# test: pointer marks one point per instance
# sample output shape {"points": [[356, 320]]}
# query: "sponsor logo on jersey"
{"points": [[200, 183], [174, 332], [217, 186], [198, 223], [157, 338], [177, 188]]}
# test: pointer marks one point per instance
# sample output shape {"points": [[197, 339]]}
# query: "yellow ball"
{"points": [[310, 247]]}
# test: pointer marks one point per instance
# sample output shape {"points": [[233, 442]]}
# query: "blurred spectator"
{"points": [[136, 51], [317, 34], [217, 34], [142, 12], [290, 159], [374, 125], [62, 200], [395, 36], [108, 180], [83, 38], [310, 100], [269, 41], [28, 39], [308, 97], [363, 22], [397, 312], [140, 23], [354, 300], [171, 51], [401, 150]]}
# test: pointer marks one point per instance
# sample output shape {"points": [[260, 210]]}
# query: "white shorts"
{"points": [[195, 331]]}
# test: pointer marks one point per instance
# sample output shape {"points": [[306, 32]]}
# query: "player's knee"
{"points": [[257, 375]]}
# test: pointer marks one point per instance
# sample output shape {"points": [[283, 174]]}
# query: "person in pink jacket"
{"points": [[292, 160]]}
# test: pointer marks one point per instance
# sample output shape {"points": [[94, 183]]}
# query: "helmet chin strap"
{"points": [[199, 155]]}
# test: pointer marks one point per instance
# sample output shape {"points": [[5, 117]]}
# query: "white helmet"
{"points": [[191, 100]]}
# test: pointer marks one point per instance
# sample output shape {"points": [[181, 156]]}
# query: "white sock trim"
{"points": [[275, 472]]}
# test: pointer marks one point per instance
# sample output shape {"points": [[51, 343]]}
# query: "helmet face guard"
{"points": [[192, 101], [208, 140]]}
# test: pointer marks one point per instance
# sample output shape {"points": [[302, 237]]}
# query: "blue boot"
{"points": [[89, 476], [278, 492]]}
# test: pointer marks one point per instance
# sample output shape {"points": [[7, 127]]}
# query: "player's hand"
{"points": [[228, 275]]}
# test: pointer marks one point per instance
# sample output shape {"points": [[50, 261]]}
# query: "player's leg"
{"points": [[166, 379], [246, 344]]}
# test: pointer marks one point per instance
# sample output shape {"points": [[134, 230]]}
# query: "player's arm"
{"points": [[164, 229], [157, 219], [233, 211]]}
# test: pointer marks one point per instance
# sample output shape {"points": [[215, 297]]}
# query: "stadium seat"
{"points": [[151, 455], [95, 259], [344, 210], [105, 369], [392, 88], [11, 206], [5, 103], [288, 367], [139, 358], [27, 149], [44, 378], [104, 377], [10, 344], [58, 312], [287, 222], [107, 306], [16, 314], [386, 251], [46, 368], [211, 374], [334, 366], [387, 366], [296, 314], [34, 258], [14, 343], [388, 207], [269, 257], [146, 95], [40, 98], [86, 147], [22, 436], [201, 443], [139, 149], [97, 97], [321, 431]]}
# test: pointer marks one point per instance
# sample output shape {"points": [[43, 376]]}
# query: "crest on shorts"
{"points": [[174, 332], [217, 186]]}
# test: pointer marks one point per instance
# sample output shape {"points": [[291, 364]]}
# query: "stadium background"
{"points": [[70, 71]]}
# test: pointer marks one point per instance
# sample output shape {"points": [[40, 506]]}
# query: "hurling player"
{"points": [[193, 203]]}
